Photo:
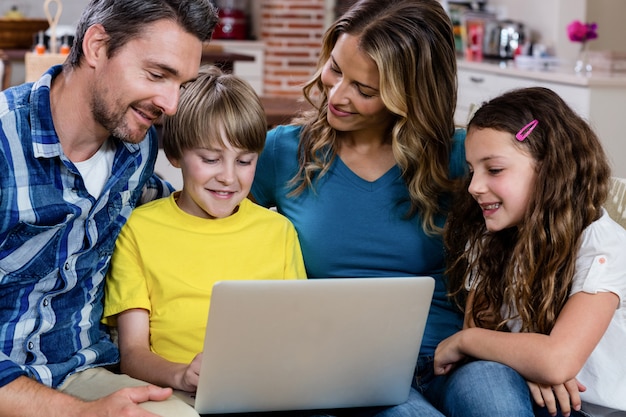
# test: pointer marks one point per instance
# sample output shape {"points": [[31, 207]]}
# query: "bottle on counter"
{"points": [[40, 47]]}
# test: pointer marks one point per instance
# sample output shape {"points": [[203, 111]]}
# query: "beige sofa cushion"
{"points": [[616, 203]]}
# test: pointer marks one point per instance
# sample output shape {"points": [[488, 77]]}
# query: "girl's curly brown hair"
{"points": [[527, 270]]}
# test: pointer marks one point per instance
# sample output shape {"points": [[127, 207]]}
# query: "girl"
{"points": [[535, 259]]}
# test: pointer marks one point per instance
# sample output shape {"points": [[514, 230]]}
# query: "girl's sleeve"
{"points": [[600, 262]]}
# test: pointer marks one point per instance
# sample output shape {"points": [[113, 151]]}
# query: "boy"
{"points": [[173, 250]]}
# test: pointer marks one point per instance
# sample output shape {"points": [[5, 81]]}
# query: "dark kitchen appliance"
{"points": [[503, 39]]}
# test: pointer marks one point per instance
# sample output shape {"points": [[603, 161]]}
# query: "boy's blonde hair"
{"points": [[215, 107]]}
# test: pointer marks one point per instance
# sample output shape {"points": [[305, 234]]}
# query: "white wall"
{"points": [[611, 26]]}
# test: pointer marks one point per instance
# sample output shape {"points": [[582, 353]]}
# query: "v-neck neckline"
{"points": [[382, 181]]}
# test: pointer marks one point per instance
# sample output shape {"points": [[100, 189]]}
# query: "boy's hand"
{"points": [[189, 380]]}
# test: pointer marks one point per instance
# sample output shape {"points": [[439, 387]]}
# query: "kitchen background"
{"points": [[287, 33], [284, 37], [546, 19], [291, 30]]}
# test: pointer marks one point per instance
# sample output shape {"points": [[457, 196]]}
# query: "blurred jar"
{"points": [[233, 22]]}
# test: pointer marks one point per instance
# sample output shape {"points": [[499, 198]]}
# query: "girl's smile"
{"points": [[503, 176]]}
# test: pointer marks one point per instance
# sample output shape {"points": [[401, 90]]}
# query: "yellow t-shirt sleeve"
{"points": [[125, 286]]}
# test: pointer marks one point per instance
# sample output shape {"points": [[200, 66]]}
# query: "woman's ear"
{"points": [[95, 44]]}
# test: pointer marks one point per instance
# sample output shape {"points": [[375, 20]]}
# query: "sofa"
{"points": [[616, 202]]}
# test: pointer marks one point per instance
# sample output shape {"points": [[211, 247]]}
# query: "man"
{"points": [[77, 153]]}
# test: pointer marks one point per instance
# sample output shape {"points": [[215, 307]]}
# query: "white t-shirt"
{"points": [[97, 169], [601, 267]]}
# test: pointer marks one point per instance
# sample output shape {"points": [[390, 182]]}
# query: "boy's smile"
{"points": [[215, 180]]}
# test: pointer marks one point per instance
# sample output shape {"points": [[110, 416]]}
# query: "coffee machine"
{"points": [[503, 38]]}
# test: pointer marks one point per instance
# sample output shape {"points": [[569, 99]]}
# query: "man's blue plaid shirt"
{"points": [[56, 240]]}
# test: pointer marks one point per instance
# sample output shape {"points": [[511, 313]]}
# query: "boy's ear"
{"points": [[174, 161]]}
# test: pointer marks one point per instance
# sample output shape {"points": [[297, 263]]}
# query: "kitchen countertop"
{"points": [[559, 74], [210, 54], [280, 110]]}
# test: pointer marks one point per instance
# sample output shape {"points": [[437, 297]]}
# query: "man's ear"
{"points": [[95, 44]]}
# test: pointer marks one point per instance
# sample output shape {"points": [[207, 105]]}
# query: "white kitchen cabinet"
{"points": [[476, 87], [251, 71], [599, 98]]}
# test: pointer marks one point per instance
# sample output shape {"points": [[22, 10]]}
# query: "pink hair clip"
{"points": [[526, 130]]}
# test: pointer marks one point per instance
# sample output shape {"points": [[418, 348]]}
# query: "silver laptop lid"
{"points": [[277, 345]]}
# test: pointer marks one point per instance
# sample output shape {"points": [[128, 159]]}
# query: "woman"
{"points": [[365, 176]]}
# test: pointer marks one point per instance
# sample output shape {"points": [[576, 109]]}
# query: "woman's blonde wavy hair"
{"points": [[412, 44], [529, 269]]}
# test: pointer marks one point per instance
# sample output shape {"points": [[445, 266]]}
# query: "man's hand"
{"points": [[125, 402], [25, 397]]}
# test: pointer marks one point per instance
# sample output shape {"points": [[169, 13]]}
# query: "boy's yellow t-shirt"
{"points": [[166, 262]]}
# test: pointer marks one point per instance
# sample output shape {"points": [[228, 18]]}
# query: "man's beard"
{"points": [[115, 122]]}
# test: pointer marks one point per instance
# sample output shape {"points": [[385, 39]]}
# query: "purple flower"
{"points": [[582, 32]]}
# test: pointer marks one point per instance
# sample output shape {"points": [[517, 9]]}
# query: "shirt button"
{"points": [[67, 267], [31, 345], [46, 302]]}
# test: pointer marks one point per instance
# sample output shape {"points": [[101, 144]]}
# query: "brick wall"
{"points": [[292, 31]]}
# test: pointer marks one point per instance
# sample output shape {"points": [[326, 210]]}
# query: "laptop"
{"points": [[275, 345]]}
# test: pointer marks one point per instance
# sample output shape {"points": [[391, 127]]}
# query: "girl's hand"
{"points": [[567, 395], [448, 354]]}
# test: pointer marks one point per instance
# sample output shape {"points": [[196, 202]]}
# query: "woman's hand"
{"points": [[567, 395]]}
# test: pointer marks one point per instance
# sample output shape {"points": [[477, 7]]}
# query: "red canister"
{"points": [[232, 24]]}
